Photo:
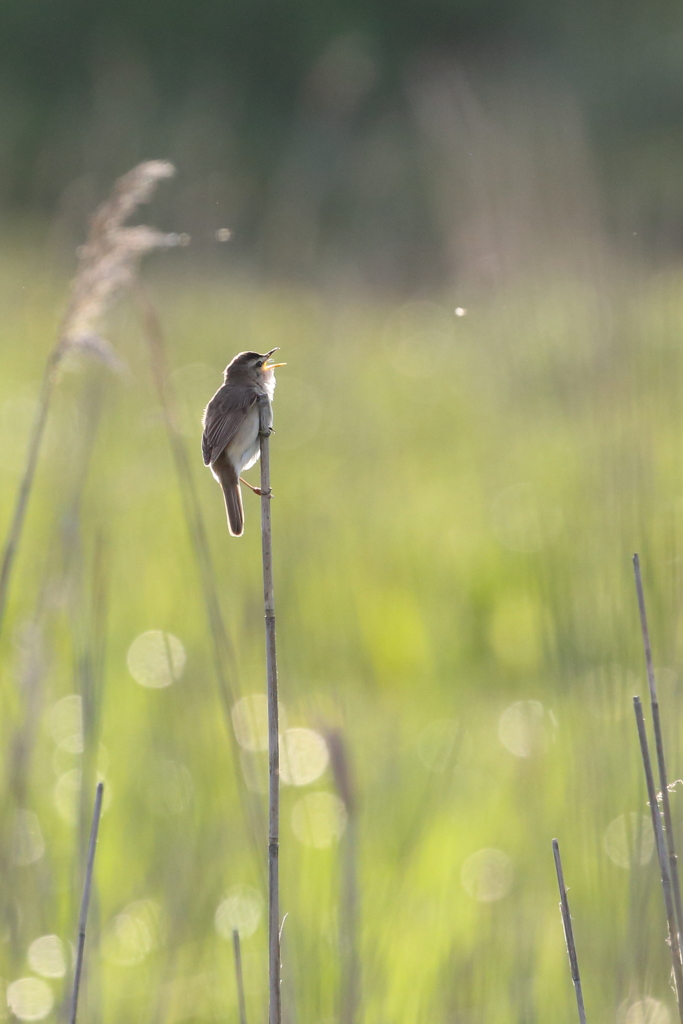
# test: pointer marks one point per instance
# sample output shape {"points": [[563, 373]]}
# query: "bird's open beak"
{"points": [[271, 366]]}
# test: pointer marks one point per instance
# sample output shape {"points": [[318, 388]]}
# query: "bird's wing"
{"points": [[224, 415]]}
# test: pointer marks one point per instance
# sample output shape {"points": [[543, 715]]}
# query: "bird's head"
{"points": [[252, 367]]}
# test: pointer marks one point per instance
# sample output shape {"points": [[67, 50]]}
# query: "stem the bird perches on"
{"points": [[661, 856], [273, 727], [569, 933], [659, 747], [85, 899]]}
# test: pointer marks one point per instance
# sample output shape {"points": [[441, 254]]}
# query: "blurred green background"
{"points": [[461, 222]]}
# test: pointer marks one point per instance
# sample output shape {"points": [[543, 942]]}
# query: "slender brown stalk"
{"points": [[661, 855], [569, 933], [85, 901], [659, 747], [274, 1014], [238, 975]]}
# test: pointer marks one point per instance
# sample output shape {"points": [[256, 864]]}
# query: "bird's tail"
{"points": [[232, 493]]}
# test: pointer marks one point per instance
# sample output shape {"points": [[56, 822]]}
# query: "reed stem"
{"points": [[85, 900], [569, 933], [274, 1013], [661, 855], [661, 762]]}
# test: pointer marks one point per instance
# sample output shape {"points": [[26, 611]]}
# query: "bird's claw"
{"points": [[257, 490]]}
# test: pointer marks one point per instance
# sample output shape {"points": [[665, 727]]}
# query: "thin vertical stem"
{"points": [[238, 975], [85, 900], [661, 854], [274, 1014], [26, 486], [661, 762], [569, 933]]}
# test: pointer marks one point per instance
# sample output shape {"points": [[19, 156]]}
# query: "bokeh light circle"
{"points": [[67, 795], [64, 760], [240, 911], [628, 840], [30, 998], [156, 659], [643, 1011], [133, 934], [487, 875], [46, 956], [26, 839], [250, 721], [523, 728], [319, 819], [303, 756], [66, 723]]}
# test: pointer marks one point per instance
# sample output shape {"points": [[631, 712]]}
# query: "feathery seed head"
{"points": [[109, 259]]}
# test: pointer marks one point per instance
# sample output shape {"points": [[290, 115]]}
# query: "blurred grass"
{"points": [[456, 503]]}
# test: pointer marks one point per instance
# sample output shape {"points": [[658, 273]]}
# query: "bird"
{"points": [[232, 425]]}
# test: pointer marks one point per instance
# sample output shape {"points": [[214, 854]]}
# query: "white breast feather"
{"points": [[243, 450]]}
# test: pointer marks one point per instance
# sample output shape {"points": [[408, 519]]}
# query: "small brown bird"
{"points": [[230, 443]]}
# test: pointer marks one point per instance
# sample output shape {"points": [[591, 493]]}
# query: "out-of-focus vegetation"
{"points": [[461, 224], [310, 129], [459, 483]]}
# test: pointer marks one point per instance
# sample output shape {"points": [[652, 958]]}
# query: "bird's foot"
{"points": [[257, 490]]}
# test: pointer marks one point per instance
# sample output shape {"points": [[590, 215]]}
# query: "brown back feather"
{"points": [[223, 417]]}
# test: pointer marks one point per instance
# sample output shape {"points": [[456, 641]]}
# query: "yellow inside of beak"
{"points": [[271, 366]]}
